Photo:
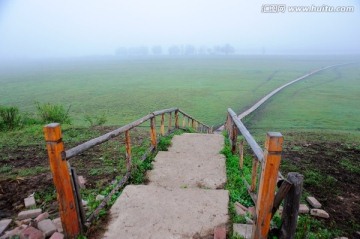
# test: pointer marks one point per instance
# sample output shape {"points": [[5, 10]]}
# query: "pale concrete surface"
{"points": [[180, 200], [193, 161], [144, 211]]}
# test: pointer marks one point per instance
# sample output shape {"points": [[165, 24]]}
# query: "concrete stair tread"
{"points": [[145, 211]]}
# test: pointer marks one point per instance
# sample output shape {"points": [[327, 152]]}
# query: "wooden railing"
{"points": [[265, 200], [65, 179]]}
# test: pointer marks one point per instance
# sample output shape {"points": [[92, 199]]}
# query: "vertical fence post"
{"points": [[128, 150], [255, 165], [176, 119], [70, 218], [234, 136], [193, 123], [184, 123], [169, 127], [162, 127], [291, 206], [153, 132], [241, 154], [269, 176]]}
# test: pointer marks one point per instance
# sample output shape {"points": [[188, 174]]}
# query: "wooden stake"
{"points": [[162, 127], [61, 176], [184, 123], [169, 127], [234, 135], [176, 119], [128, 150], [266, 193], [153, 132], [291, 206], [241, 154], [255, 165]]}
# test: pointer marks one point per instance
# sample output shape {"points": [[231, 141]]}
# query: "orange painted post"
{"points": [[169, 127], [241, 154], [70, 218], [153, 132], [255, 165], [128, 150], [234, 136], [162, 127], [176, 119], [268, 180]]}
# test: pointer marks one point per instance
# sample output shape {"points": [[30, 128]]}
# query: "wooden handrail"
{"points": [[101, 139], [248, 137]]}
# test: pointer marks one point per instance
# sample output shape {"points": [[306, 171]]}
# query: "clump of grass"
{"points": [[9, 117], [95, 120], [50, 113]]}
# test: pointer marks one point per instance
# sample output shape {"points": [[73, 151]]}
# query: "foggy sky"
{"points": [[64, 28]]}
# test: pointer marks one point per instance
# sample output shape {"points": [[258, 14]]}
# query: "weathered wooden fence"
{"points": [[66, 182], [265, 199]]}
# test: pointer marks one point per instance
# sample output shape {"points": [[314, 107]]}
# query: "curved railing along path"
{"points": [[277, 90]]}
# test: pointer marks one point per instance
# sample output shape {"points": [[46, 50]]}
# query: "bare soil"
{"points": [[13, 189], [334, 184]]}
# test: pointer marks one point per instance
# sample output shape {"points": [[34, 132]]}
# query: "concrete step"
{"points": [[145, 211]]}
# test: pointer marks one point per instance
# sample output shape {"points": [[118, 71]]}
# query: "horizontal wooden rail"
{"points": [[248, 137], [106, 137]]}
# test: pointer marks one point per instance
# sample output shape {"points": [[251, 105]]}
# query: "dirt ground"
{"points": [[332, 174], [13, 190]]}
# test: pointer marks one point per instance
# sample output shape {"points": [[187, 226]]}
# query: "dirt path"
{"points": [[277, 90], [181, 199]]}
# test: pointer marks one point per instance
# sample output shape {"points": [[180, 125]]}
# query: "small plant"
{"points": [[49, 113], [10, 117], [96, 120]]}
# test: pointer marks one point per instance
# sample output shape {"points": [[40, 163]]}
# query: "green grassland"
{"points": [[328, 100], [125, 90]]}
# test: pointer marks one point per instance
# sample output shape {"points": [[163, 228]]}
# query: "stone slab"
{"points": [[29, 214], [4, 225], [244, 230], [193, 161], [313, 202], [144, 211]]}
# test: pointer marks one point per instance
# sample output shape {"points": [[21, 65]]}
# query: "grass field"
{"points": [[125, 90], [326, 101]]}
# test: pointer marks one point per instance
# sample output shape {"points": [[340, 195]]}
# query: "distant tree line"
{"points": [[176, 50]]}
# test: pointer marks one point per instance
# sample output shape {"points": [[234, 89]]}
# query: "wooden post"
{"points": [[291, 206], [184, 123], [176, 119], [169, 127], [153, 132], [241, 154], [189, 123], [193, 123], [70, 218], [234, 135], [128, 150], [255, 165], [269, 176], [162, 127]]}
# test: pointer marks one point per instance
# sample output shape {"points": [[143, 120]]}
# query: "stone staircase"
{"points": [[184, 197]]}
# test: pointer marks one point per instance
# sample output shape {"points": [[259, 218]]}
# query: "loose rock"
{"points": [[4, 225], [29, 214], [304, 209], [313, 202], [47, 227], [29, 202], [319, 213], [31, 233]]}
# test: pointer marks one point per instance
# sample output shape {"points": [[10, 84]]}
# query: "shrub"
{"points": [[49, 113], [10, 117]]}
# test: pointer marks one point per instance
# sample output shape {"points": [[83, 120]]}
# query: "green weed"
{"points": [[9, 118], [50, 113]]}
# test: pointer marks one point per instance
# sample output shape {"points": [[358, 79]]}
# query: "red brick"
{"points": [[42, 217], [31, 233], [220, 232]]}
